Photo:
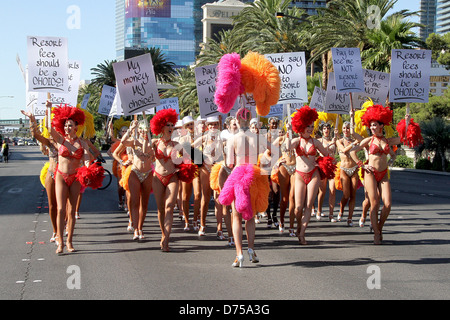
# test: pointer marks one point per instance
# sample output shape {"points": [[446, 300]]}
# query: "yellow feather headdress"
{"points": [[119, 124], [87, 130]]}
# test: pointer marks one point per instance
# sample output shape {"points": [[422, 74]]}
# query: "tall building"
{"points": [[175, 26], [120, 30], [427, 18], [443, 16], [310, 6]]}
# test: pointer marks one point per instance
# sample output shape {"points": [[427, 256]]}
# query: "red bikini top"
{"points": [[376, 149], [302, 152], [160, 155], [64, 152]]}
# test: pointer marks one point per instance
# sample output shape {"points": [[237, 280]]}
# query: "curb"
{"points": [[440, 173]]}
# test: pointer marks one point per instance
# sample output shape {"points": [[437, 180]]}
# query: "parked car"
{"points": [[32, 143], [20, 143]]}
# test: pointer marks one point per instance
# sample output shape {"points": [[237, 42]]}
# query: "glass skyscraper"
{"points": [[174, 26]]}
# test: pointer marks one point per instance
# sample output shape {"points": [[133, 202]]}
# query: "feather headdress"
{"points": [[64, 113], [303, 118], [161, 118]]}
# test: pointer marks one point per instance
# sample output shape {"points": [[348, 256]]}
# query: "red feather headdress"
{"points": [[161, 118], [64, 113], [377, 113], [303, 118]]}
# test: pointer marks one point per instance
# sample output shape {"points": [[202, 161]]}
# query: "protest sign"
{"points": [[116, 108], [318, 99], [348, 70], [136, 83], [292, 69], [376, 87], [205, 78], [336, 102], [106, 100], [169, 103], [85, 100], [47, 64], [410, 75]]}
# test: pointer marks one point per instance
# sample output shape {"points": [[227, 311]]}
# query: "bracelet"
{"points": [[359, 163]]}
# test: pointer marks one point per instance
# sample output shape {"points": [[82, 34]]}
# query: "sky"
{"points": [[92, 42]]}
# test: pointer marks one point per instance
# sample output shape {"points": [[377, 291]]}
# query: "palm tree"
{"points": [[164, 70], [104, 74], [213, 50], [345, 24], [258, 28], [186, 90], [394, 33], [436, 136]]}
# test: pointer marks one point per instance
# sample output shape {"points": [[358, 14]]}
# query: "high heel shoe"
{"points": [[231, 242], [292, 233], [186, 227], [202, 231], [136, 235], [238, 262], [141, 235], [53, 238], [220, 235], [252, 256], [349, 222], [361, 222], [195, 225], [60, 249], [70, 247], [130, 227]]}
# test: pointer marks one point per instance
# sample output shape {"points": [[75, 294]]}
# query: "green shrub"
{"points": [[424, 164], [404, 162]]}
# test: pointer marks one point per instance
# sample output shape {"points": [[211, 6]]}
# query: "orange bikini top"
{"points": [[64, 152], [302, 152], [376, 149]]}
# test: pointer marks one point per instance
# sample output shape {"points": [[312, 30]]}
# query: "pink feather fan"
{"points": [[228, 84]]}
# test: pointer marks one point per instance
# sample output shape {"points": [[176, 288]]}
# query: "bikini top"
{"points": [[302, 152], [159, 154], [376, 149], [64, 152]]}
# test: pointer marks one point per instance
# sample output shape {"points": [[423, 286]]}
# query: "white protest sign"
{"points": [[292, 68], [169, 103], [136, 83], [116, 108], [410, 75], [348, 70], [376, 87], [318, 99], [73, 78], [47, 64], [106, 100], [336, 102], [205, 78]]}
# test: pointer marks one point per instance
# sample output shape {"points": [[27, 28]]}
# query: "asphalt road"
{"points": [[340, 262]]}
